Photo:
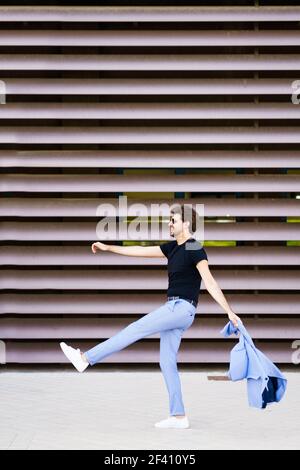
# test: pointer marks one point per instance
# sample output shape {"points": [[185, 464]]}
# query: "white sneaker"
{"points": [[173, 422], [74, 356]]}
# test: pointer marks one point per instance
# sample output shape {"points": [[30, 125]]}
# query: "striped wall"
{"points": [[157, 103]]}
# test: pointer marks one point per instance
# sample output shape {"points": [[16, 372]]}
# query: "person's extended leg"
{"points": [[169, 345], [160, 319]]}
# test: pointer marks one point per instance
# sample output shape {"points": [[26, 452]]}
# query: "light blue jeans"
{"points": [[170, 320]]}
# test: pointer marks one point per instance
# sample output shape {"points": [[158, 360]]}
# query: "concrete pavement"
{"points": [[116, 408]]}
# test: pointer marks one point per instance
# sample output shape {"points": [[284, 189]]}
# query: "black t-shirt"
{"points": [[184, 277]]}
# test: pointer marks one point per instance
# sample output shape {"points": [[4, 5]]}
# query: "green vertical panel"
{"points": [[293, 220]]}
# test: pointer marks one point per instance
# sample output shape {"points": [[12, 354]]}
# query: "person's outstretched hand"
{"points": [[234, 318], [99, 246]]}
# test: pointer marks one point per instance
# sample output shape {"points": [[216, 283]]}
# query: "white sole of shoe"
{"points": [[68, 355], [172, 426]]}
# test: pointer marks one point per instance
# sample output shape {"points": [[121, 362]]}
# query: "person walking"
{"points": [[187, 265]]}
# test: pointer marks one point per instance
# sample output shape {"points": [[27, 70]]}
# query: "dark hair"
{"points": [[187, 213]]}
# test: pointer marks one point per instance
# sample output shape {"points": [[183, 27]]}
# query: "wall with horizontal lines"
{"points": [[158, 102]]}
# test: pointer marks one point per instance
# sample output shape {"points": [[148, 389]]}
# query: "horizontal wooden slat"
{"points": [[114, 183], [162, 111], [142, 303], [75, 231], [229, 256], [143, 352], [148, 38], [103, 328], [148, 13], [149, 159], [153, 86], [151, 135], [150, 62], [88, 207], [141, 279]]}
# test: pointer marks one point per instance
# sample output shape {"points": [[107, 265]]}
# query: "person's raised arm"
{"points": [[137, 250]]}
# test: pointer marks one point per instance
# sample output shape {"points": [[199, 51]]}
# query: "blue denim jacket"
{"points": [[265, 382]]}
